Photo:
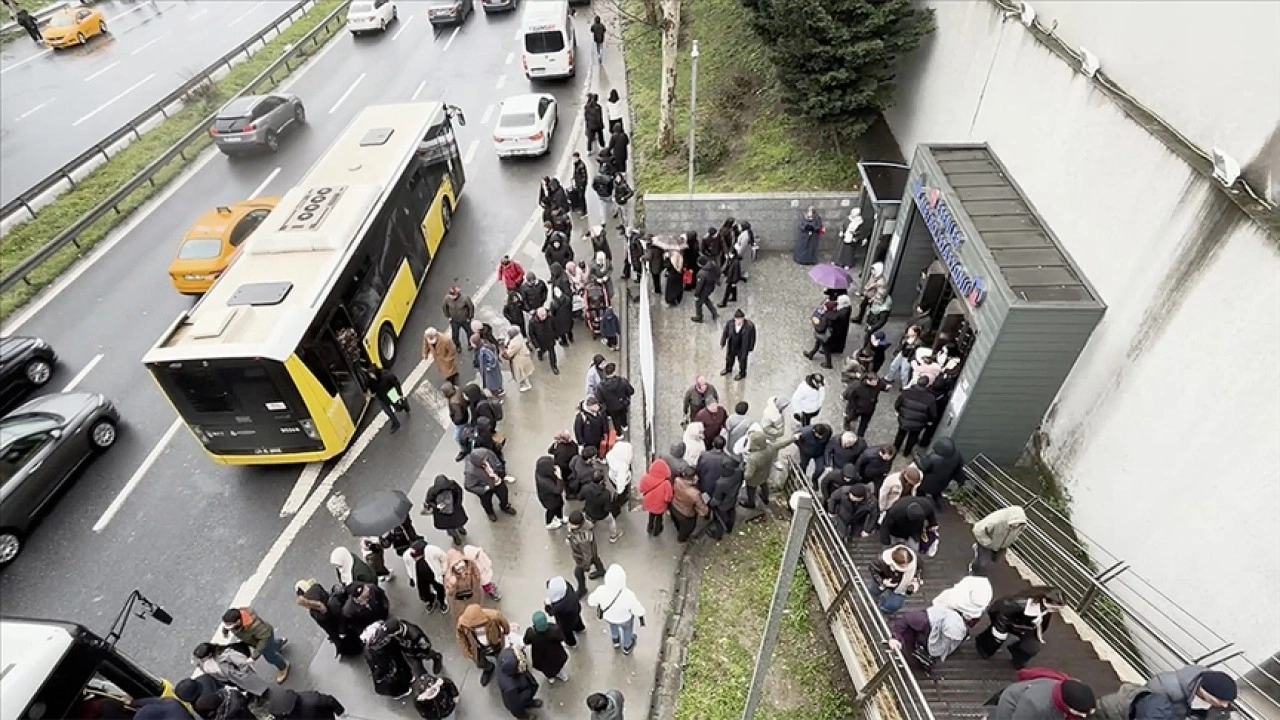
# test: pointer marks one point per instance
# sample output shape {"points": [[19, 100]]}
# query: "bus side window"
{"points": [[359, 298], [311, 358]]}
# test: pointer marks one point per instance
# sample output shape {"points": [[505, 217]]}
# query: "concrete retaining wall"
{"points": [[773, 216]]}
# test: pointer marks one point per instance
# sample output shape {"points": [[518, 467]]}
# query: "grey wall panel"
{"points": [[774, 216]]}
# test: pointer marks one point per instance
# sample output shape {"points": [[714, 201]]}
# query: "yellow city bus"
{"points": [[266, 367]]}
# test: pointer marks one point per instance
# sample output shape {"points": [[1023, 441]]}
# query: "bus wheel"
{"points": [[387, 344], [446, 214]]}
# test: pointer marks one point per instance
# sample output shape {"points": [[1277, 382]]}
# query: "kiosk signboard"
{"points": [[948, 238]]}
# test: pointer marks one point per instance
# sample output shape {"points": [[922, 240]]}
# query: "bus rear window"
{"points": [[541, 43], [227, 389]]}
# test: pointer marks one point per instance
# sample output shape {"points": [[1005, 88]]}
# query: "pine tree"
{"points": [[836, 59]]}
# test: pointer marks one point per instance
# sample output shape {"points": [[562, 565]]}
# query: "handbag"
{"points": [[687, 276], [600, 611], [610, 439], [393, 395]]}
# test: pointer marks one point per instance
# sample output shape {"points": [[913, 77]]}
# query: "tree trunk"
{"points": [[670, 53], [651, 12]]}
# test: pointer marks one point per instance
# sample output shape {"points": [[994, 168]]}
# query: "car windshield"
{"points": [[62, 21], [200, 249], [15, 427], [360, 8], [537, 43], [516, 120]]}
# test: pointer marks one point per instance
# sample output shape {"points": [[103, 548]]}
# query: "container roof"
{"points": [[1033, 264]]}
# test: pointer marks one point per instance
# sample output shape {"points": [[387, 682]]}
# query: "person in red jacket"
{"points": [[510, 273], [655, 494]]}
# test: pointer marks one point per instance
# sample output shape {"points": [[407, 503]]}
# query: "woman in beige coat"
{"points": [[443, 351], [517, 353]]}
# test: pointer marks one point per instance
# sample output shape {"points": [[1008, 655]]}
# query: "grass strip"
{"points": [[746, 142], [806, 677], [23, 240]]}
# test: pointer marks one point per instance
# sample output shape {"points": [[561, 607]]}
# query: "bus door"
{"points": [[343, 355]]}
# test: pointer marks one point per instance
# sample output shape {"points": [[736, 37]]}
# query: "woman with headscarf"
{"points": [[481, 633], [807, 400], [350, 568], [391, 673], [444, 503], [691, 256], [545, 644], [895, 574], [229, 665], [877, 317], [847, 256], [930, 635], [518, 354], [364, 605], [673, 278], [517, 684], [514, 309], [873, 290], [462, 583], [488, 365], [561, 307], [745, 245], [565, 606], [823, 320], [484, 569], [694, 444], [313, 596], [550, 489], [424, 566], [808, 233], [435, 697]]}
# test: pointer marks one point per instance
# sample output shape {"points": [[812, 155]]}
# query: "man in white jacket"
{"points": [[617, 605]]}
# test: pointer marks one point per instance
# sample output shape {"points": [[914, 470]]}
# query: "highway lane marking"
{"points": [[110, 102], [418, 92], [263, 185], [247, 13], [471, 152], [452, 35], [43, 299], [136, 478], [20, 63], [302, 488], [130, 11], [517, 34], [81, 375], [347, 94], [488, 114], [511, 57], [103, 70], [502, 80], [32, 111], [148, 44], [404, 25], [200, 14]]}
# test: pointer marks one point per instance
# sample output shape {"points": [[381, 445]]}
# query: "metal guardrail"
{"points": [[1141, 625], [891, 689], [109, 204], [64, 175]]}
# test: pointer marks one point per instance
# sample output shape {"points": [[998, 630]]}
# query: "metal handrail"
{"points": [[64, 174], [891, 685], [69, 235], [1141, 625]]}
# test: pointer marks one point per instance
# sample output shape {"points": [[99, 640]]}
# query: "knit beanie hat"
{"points": [[1218, 684], [1078, 697]]}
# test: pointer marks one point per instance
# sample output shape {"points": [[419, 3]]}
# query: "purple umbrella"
{"points": [[830, 276]]}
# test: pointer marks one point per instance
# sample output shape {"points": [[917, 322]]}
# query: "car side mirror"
{"points": [[56, 433]]}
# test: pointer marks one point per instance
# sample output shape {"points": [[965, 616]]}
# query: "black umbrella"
{"points": [[379, 513]]}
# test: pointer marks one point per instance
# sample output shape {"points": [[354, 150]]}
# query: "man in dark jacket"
{"points": [[941, 465], [593, 120], [542, 333], [582, 470], [460, 311], [711, 464], [713, 418], [855, 511], [704, 285], [1136, 702], [844, 449], [836, 477], [533, 292], [873, 465], [578, 190], [738, 340], [1196, 692], [596, 498], [906, 522], [415, 644], [1042, 694], [724, 498], [917, 409], [618, 149], [812, 444], [483, 477], [615, 393], [591, 426], [697, 397], [860, 400], [28, 23], [288, 704]]}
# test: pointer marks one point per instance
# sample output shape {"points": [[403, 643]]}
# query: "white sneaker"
{"points": [[554, 524], [526, 387], [510, 479]]}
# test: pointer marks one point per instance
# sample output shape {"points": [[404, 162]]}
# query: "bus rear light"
{"points": [[309, 428]]}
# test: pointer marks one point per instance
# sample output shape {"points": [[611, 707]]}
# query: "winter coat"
{"points": [[311, 705], [590, 429], [253, 631], [618, 461], [886, 574], [724, 496], [1008, 615], [808, 399], [712, 422], [694, 445], [836, 325], [618, 603], [1000, 530], [1136, 702], [872, 468], [359, 615], [533, 294], [563, 452], [771, 420], [737, 427], [443, 352], [1179, 687], [475, 478], [446, 492], [892, 489], [490, 367], [582, 471], [351, 568], [618, 150], [596, 500], [695, 401], [565, 605], [615, 394], [733, 270], [542, 332], [710, 466], [459, 309], [1027, 700], [593, 116], [858, 516], [907, 518], [812, 442], [521, 359], [161, 708], [761, 454], [232, 667], [511, 275], [838, 455], [738, 342], [707, 279], [547, 484], [686, 498], [561, 312], [940, 466], [546, 650], [861, 398], [438, 706], [614, 709], [917, 408], [582, 544], [518, 686], [655, 488], [477, 621], [481, 560]]}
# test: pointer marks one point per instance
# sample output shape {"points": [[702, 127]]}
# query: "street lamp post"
{"points": [[693, 110]]}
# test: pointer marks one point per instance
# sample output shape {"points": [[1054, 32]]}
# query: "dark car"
{"points": [[492, 6], [449, 12], [254, 123], [42, 444], [26, 363]]}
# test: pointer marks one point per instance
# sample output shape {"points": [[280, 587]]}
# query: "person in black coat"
{"points": [[565, 605], [288, 704], [533, 292], [415, 645], [578, 190], [550, 489], [906, 521], [732, 276], [618, 149], [28, 22], [917, 409], [590, 426], [861, 399], [837, 477], [542, 333], [593, 121], [596, 498], [704, 285], [812, 442], [444, 503], [517, 684], [724, 498], [392, 675], [845, 449], [561, 310], [615, 394], [513, 312], [874, 464], [655, 257], [545, 643], [1019, 622], [582, 470], [738, 340], [435, 698], [710, 465], [563, 450], [673, 277], [940, 466], [855, 511]]}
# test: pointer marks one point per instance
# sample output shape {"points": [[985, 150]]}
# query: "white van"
{"points": [[547, 41]]}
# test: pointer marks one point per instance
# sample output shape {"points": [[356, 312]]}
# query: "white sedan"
{"points": [[525, 125], [370, 16]]}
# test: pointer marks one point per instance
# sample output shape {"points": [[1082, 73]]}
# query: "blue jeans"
{"points": [[271, 653], [599, 52], [623, 634], [888, 601], [457, 434], [900, 370]]}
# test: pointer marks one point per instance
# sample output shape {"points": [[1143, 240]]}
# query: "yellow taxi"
{"points": [[210, 246], [74, 26]]}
